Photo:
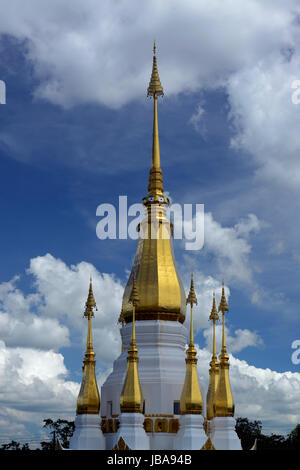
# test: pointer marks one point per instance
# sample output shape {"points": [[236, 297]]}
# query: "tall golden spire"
{"points": [[191, 398], [155, 89], [224, 405], [131, 400], [214, 367], [88, 401], [161, 293]]}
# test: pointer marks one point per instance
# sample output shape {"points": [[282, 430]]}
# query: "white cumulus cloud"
{"points": [[20, 325], [259, 394], [100, 52]]}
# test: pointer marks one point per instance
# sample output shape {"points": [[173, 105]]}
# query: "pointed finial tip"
{"points": [[155, 88], [214, 314], [192, 299], [90, 303], [223, 302]]}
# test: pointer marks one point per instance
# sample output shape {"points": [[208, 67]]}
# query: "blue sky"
{"points": [[76, 132]]}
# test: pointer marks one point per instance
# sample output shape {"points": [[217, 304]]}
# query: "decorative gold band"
{"points": [[155, 316], [160, 424]]}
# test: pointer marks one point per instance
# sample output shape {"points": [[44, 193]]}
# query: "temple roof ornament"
{"points": [[223, 405], [131, 400], [214, 366], [88, 401], [161, 293], [191, 398]]}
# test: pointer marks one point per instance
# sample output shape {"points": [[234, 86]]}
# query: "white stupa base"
{"points": [[161, 441], [132, 431], [191, 434], [161, 346], [87, 434], [224, 436]]}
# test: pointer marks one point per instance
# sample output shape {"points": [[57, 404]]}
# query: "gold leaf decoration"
{"points": [[121, 445], [208, 445]]}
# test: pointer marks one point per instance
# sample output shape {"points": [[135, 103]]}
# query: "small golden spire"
{"points": [[131, 400], [223, 307], [214, 366], [88, 401], [223, 405], [191, 398], [214, 317], [191, 299]]}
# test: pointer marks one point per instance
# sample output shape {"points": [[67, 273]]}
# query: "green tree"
{"points": [[60, 429], [293, 439], [274, 442], [14, 445], [248, 431]]}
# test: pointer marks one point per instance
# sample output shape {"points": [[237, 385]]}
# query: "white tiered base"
{"points": [[132, 431], [191, 435], [87, 434], [224, 436], [161, 352]]}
